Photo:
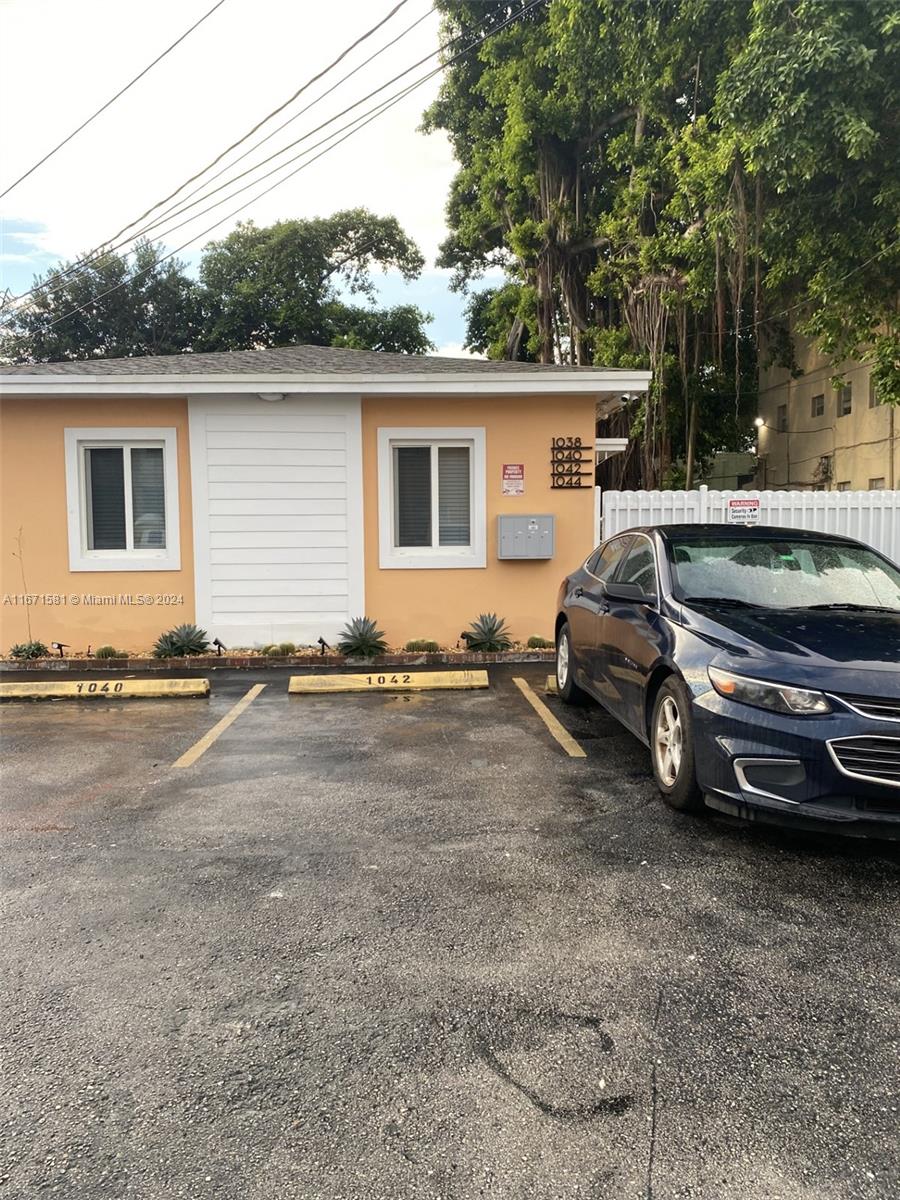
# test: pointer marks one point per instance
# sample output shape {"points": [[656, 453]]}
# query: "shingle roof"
{"points": [[287, 360]]}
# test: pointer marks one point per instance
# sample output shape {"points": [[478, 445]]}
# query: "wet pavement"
{"points": [[403, 946]]}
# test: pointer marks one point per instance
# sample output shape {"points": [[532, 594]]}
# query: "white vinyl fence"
{"points": [[871, 517]]}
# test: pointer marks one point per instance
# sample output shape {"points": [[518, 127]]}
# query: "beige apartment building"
{"points": [[819, 437]]}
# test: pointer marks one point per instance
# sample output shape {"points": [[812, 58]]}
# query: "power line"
{"points": [[360, 125], [112, 100], [106, 247]]}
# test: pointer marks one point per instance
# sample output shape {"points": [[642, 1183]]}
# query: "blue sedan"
{"points": [[760, 665]]}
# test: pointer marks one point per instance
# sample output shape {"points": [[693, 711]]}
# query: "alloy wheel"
{"points": [[668, 742], [562, 660]]}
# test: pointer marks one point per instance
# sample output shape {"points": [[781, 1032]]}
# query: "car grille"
{"points": [[869, 758], [885, 709]]}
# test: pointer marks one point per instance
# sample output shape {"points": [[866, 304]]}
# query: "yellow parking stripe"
{"points": [[387, 680], [561, 734], [103, 689], [190, 756]]}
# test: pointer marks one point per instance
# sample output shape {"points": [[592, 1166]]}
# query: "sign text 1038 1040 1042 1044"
{"points": [[570, 463]]}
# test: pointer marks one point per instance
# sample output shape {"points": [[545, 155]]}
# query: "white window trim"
{"points": [[426, 558], [82, 559]]}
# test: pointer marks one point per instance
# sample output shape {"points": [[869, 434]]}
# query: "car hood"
{"points": [[792, 644]]}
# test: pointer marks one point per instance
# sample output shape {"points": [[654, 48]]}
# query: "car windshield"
{"points": [[780, 573]]}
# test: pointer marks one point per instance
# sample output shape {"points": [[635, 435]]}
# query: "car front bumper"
{"points": [[787, 770]]}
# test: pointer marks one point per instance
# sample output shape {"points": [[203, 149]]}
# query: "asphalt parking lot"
{"points": [[392, 946]]}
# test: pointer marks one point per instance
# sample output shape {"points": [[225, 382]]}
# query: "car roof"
{"points": [[747, 533]]}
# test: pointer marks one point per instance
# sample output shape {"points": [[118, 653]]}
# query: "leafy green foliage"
{"points": [[181, 642], [539, 643], [278, 285], [259, 286], [489, 633], [361, 638], [153, 310], [680, 185], [109, 652], [422, 646], [29, 650]]}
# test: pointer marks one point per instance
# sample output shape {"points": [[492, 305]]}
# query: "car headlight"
{"points": [[777, 697]]}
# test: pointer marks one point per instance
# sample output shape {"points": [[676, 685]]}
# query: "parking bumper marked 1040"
{"points": [[558, 731], [387, 681], [200, 747], [103, 689]]}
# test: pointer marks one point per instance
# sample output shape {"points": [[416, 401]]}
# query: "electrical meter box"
{"points": [[526, 537]]}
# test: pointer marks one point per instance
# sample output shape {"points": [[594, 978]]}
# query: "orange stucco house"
{"points": [[270, 495]]}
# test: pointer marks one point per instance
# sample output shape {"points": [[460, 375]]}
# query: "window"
{"points": [[604, 561], [875, 485], [845, 400], [781, 420], [874, 398], [122, 495], [817, 406], [431, 497], [844, 485], [639, 567]]}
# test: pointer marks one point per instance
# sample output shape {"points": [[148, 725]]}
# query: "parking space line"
{"points": [[561, 734], [200, 747]]}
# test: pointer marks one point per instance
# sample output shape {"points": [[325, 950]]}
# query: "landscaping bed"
{"points": [[310, 661]]}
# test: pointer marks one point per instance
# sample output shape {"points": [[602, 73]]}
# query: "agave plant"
{"points": [[29, 650], [361, 638], [489, 632], [180, 642]]}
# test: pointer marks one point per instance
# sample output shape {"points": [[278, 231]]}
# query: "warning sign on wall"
{"points": [[743, 512], [513, 479]]}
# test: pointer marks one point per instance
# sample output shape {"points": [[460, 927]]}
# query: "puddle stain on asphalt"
{"points": [[532, 1034]]}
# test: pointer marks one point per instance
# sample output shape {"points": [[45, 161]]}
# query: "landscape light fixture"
{"points": [[60, 646], [323, 645], [759, 422], [219, 647]]}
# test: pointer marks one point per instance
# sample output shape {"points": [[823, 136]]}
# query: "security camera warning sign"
{"points": [[743, 512], [513, 479]]}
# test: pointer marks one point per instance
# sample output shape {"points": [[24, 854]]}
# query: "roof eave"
{"points": [[563, 382]]}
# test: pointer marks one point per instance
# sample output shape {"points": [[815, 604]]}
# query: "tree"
{"points": [[663, 179], [258, 287], [279, 285], [151, 308]]}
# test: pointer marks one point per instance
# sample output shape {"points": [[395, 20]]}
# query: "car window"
{"points": [[604, 561], [639, 567]]}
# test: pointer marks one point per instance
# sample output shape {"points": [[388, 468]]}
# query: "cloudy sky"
{"points": [[63, 60]]}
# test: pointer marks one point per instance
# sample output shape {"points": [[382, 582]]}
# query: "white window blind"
{"points": [[454, 495], [432, 496], [125, 497]]}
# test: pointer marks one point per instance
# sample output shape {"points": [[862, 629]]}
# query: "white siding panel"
{"points": [[279, 587], [288, 508], [289, 570], [268, 605], [275, 523], [271, 555], [277, 491], [278, 516], [241, 456], [276, 473], [279, 540], [255, 439]]}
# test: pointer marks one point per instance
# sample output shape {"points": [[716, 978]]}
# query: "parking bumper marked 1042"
{"points": [[103, 689], [387, 681], [558, 731], [200, 747]]}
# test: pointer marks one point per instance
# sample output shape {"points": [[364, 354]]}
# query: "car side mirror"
{"points": [[631, 593]]}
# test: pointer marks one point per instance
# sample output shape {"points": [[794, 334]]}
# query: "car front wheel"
{"points": [[672, 747], [569, 691]]}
